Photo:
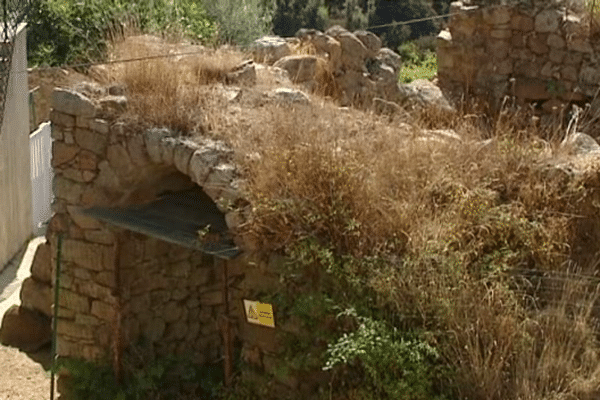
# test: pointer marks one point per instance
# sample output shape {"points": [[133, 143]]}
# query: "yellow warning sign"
{"points": [[259, 313]]}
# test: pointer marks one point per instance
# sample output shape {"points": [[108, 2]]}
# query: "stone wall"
{"points": [[537, 51]]}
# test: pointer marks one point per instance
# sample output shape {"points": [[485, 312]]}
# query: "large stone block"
{"points": [[182, 155], [37, 295], [61, 119], [65, 327], [73, 301], [25, 329], [102, 310], [269, 49], [83, 221], [153, 138], [547, 21], [497, 16], [41, 267], [521, 23], [63, 153], [91, 140], [369, 39], [301, 68], [95, 257], [72, 103], [67, 189]]}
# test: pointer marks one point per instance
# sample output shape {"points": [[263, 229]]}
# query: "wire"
{"points": [[91, 64]]}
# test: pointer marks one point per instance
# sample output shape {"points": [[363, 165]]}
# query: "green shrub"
{"points": [[292, 15], [396, 366], [67, 31], [240, 22]]}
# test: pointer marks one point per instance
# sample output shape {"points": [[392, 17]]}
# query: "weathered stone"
{"points": [[62, 120], [182, 154], [99, 126], [67, 189], [102, 310], [498, 48], [90, 140], [200, 276], [176, 330], [527, 68], [92, 353], [269, 49], [101, 236], [107, 178], [72, 103], [37, 296], [424, 94], [245, 73], [41, 267], [88, 320], [65, 313], [504, 67], [67, 347], [137, 150], [501, 33], [569, 73], [69, 137], [521, 23], [288, 96], [369, 39], [95, 291], [354, 52], [25, 329], [71, 329], [192, 332], [172, 311], [167, 148], [94, 257], [389, 57], [547, 21], [580, 144], [120, 162], [113, 104], [57, 133], [574, 58], [553, 106], [159, 297], [181, 269], [87, 160], [548, 69], [105, 278], [538, 45], [82, 220], [203, 159], [580, 45], [83, 122], [301, 68], [589, 75], [73, 301], [557, 56], [497, 16], [153, 138], [518, 40], [555, 41], [531, 89], [140, 303], [211, 298], [63, 153]]}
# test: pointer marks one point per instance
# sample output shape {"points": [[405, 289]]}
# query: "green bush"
{"points": [[292, 15], [67, 31], [240, 22], [396, 366]]}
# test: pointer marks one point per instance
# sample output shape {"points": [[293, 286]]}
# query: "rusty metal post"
{"points": [[226, 326], [117, 340]]}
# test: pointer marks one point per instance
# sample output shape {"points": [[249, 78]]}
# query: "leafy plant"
{"points": [[240, 22], [396, 366]]}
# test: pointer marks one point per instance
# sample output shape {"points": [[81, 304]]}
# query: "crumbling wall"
{"points": [[538, 52]]}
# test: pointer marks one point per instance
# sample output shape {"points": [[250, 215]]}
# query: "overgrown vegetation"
{"points": [[66, 31], [458, 257], [419, 60]]}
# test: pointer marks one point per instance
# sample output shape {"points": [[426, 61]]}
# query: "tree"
{"points": [[291, 15], [385, 12]]}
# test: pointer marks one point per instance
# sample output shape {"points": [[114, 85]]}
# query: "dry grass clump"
{"points": [[467, 231]]}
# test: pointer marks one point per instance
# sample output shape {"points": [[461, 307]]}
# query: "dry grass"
{"points": [[451, 218]]}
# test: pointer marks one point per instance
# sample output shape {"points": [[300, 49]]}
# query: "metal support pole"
{"points": [[55, 316], [117, 340], [227, 343], [5, 20]]}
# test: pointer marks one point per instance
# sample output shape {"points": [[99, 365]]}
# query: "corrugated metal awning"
{"points": [[175, 217]]}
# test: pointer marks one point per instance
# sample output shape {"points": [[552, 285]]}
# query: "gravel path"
{"points": [[23, 376]]}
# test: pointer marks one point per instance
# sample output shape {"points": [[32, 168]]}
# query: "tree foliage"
{"points": [[291, 15]]}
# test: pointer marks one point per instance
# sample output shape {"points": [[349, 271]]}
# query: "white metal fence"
{"points": [[40, 145]]}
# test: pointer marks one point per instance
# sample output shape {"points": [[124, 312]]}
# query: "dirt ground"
{"points": [[22, 377]]}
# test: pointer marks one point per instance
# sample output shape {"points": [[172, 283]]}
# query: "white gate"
{"points": [[40, 146]]}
